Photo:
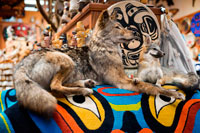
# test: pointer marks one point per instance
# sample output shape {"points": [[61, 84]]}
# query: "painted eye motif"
{"points": [[162, 101], [24, 28], [143, 27], [131, 11], [119, 16], [85, 103]]}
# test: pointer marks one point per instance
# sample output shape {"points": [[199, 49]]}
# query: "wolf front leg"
{"points": [[65, 66], [119, 79], [160, 82], [88, 83]]}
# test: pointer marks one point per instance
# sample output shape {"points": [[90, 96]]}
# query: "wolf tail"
{"points": [[191, 83], [32, 96]]}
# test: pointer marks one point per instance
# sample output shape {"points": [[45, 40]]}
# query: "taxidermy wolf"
{"points": [[150, 70], [74, 72]]}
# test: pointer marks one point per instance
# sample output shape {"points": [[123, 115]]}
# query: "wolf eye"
{"points": [[154, 49]]}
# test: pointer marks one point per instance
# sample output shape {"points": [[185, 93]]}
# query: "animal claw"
{"points": [[90, 83]]}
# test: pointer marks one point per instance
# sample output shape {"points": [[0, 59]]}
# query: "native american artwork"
{"points": [[198, 41], [185, 25], [109, 109], [190, 39], [141, 20], [195, 24]]}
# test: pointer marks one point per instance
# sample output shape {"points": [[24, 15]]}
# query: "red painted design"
{"points": [[187, 117], [191, 117], [61, 123], [100, 90]]}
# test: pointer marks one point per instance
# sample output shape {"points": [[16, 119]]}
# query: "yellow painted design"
{"points": [[5, 123], [167, 113], [174, 88], [2, 109], [89, 119], [129, 107], [170, 87]]}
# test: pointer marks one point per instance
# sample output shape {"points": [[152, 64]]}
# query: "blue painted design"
{"points": [[123, 100], [197, 123], [45, 126], [3, 128], [7, 99], [196, 95], [195, 24]]}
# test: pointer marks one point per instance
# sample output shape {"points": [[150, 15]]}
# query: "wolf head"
{"points": [[152, 48], [108, 28]]}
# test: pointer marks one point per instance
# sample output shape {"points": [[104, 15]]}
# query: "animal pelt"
{"points": [[74, 72]]}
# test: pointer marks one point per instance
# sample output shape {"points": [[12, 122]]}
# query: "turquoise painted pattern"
{"points": [[125, 111]]}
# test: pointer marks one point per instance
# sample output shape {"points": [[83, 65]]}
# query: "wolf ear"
{"points": [[147, 40], [103, 19]]}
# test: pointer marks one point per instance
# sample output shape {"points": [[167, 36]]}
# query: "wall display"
{"points": [[190, 39], [21, 30], [195, 24], [194, 52], [17, 30], [185, 25], [10, 8], [198, 41], [142, 21], [6, 74]]}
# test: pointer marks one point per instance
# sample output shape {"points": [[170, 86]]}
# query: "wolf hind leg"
{"points": [[66, 66], [193, 81], [76, 88], [189, 82]]}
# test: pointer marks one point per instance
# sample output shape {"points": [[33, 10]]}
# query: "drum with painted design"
{"points": [[142, 21]]}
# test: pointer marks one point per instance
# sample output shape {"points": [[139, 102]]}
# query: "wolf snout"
{"points": [[163, 53]]}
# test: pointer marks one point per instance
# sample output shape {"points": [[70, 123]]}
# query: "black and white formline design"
{"points": [[142, 21]]}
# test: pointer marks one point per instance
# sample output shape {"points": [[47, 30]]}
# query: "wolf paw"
{"points": [[180, 96], [89, 83], [136, 81], [86, 91]]}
